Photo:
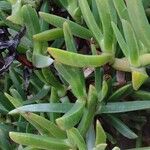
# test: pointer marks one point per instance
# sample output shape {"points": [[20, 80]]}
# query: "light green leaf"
{"points": [[75, 137], [58, 22], [55, 107], [89, 111], [45, 125], [104, 14], [121, 9], [41, 61], [90, 20], [122, 107], [120, 39], [100, 134], [73, 78], [31, 20], [49, 35], [132, 43], [51, 79], [141, 26], [100, 147], [38, 141], [16, 102], [79, 60], [72, 117]]}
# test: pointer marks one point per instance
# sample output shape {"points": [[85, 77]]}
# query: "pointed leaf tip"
{"points": [[41, 61], [138, 78]]}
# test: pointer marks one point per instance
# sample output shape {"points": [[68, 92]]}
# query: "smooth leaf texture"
{"points": [[51, 79], [122, 107], [121, 127], [75, 136], [133, 48], [16, 102], [138, 78], [123, 91], [103, 93], [45, 7], [100, 134], [100, 147], [98, 72], [89, 111], [121, 9], [76, 72], [49, 35], [58, 22], [104, 13], [72, 117], [41, 61], [79, 60], [90, 20], [72, 8], [31, 20], [141, 26], [116, 107], [16, 15], [120, 40], [55, 107], [72, 76], [90, 137], [46, 125], [38, 141]]}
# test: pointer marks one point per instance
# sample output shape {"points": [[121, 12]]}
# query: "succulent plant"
{"points": [[66, 75]]}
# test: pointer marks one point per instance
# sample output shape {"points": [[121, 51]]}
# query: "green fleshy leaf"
{"points": [[45, 125], [70, 58], [103, 9], [49, 35], [73, 78], [120, 40], [90, 20], [121, 127], [100, 134], [122, 107], [72, 117], [133, 48], [138, 78], [89, 111], [16, 102], [55, 107], [41, 61], [38, 141], [141, 26], [58, 22], [31, 20], [75, 137], [16, 15], [123, 91], [100, 147], [121, 9]]}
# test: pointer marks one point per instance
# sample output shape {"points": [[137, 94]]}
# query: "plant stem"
{"points": [[145, 59], [121, 64]]}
